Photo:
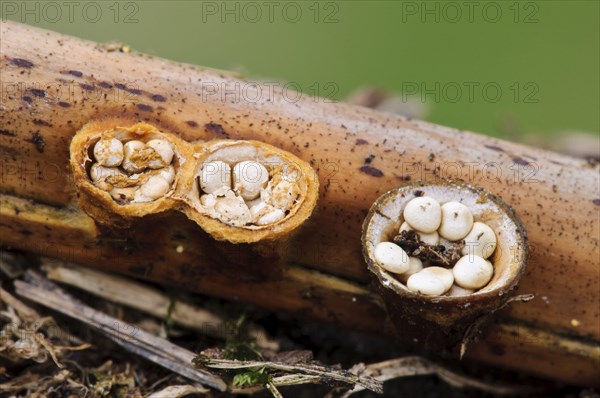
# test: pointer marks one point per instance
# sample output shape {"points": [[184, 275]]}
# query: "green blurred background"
{"points": [[543, 55]]}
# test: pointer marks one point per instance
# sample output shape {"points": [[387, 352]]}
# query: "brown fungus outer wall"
{"points": [[442, 323]]}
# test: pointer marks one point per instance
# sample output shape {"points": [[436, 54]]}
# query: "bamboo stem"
{"points": [[53, 84]]}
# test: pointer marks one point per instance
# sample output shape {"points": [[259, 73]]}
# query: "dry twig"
{"points": [[151, 301], [315, 373], [419, 366], [178, 391], [153, 348]]}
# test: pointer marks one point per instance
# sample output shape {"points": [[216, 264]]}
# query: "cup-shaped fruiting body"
{"points": [[125, 169], [436, 303], [248, 191]]}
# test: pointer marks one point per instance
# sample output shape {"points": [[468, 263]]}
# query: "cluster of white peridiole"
{"points": [[434, 224], [246, 193], [133, 171]]}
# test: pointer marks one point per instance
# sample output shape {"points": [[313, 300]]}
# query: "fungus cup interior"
{"points": [[139, 132], [276, 161], [509, 258]]}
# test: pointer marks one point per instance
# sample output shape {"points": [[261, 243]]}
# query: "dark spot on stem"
{"points": [[192, 123], [158, 98], [144, 107], [63, 104], [494, 148], [520, 161], [105, 85], [419, 193], [7, 133], [123, 87], [22, 63], [592, 160], [369, 159], [360, 141], [10, 151], [178, 236], [87, 87], [37, 92], [75, 73], [27, 99], [215, 128], [41, 122], [37, 140], [372, 171], [596, 202]]}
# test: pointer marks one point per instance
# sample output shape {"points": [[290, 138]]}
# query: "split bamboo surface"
{"points": [[54, 84]]}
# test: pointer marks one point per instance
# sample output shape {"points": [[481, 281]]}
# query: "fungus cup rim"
{"points": [[95, 199], [187, 192], [388, 281]]}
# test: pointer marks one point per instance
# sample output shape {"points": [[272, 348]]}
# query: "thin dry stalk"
{"points": [[419, 366], [151, 301], [153, 348], [323, 373], [178, 391]]}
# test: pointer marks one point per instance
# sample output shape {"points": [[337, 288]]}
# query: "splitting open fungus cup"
{"points": [[237, 191], [125, 170], [248, 191], [436, 320]]}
